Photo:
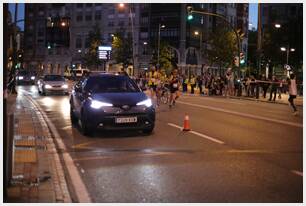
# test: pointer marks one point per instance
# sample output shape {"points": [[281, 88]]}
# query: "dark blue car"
{"points": [[110, 102]]}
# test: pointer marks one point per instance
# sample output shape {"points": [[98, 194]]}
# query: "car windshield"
{"points": [[53, 78], [108, 84], [23, 73]]}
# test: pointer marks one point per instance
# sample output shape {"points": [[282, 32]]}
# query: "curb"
{"points": [[62, 194], [78, 185]]}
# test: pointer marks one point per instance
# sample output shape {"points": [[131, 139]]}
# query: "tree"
{"points": [[91, 57], [166, 58], [122, 48], [223, 47]]}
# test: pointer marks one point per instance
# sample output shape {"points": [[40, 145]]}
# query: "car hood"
{"points": [[119, 99], [53, 83]]}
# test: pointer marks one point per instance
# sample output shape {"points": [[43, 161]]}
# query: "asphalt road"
{"points": [[238, 151]]}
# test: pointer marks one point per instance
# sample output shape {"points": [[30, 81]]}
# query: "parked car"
{"points": [[110, 102], [52, 84], [25, 77]]}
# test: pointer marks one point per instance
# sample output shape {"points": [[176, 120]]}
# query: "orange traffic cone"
{"points": [[186, 123]]}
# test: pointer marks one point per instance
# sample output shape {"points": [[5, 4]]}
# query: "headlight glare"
{"points": [[98, 104], [147, 103], [20, 77], [65, 86], [47, 86], [32, 77]]}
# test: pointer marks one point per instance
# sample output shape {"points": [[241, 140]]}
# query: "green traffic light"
{"points": [[242, 61], [190, 17], [49, 47]]}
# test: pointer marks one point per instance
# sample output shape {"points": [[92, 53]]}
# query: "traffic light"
{"points": [[189, 13]]}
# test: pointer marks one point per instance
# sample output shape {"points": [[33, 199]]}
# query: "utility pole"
{"points": [[259, 41]]}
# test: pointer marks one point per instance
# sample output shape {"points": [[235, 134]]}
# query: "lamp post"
{"points": [[287, 50], [158, 46], [121, 5], [197, 33]]}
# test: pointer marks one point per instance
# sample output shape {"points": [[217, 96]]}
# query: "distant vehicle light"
{"points": [[47, 86], [20, 77], [65, 86], [32, 77]]}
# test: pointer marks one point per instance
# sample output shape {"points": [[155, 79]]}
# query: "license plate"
{"points": [[120, 120]]}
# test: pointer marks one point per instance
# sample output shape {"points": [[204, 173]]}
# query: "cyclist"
{"points": [[174, 86]]}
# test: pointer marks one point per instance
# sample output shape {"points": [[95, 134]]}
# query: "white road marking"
{"points": [[297, 172], [198, 134], [244, 114], [215, 100]]}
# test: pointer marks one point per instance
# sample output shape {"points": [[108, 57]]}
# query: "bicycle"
{"points": [[165, 94]]}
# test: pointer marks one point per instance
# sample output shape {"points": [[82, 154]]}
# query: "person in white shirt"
{"points": [[292, 92]]}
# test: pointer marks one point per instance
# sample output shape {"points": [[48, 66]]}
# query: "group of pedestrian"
{"points": [[224, 85]]}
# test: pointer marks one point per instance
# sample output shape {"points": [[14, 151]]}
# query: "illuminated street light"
{"points": [[145, 43], [63, 24], [19, 55], [277, 26], [283, 48], [287, 51], [292, 49], [79, 50], [121, 5], [196, 33]]}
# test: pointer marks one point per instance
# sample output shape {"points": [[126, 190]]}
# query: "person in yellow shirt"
{"points": [[152, 83]]}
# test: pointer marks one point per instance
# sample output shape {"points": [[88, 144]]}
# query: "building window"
{"points": [[121, 23], [78, 43], [110, 16], [87, 43], [88, 17], [79, 17], [110, 24], [98, 4], [144, 35], [98, 15], [121, 15], [79, 5]]}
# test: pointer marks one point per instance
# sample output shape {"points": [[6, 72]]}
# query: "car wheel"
{"points": [[148, 131], [87, 129], [44, 92], [73, 118]]}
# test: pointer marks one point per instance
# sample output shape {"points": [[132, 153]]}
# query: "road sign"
{"points": [[104, 52]]}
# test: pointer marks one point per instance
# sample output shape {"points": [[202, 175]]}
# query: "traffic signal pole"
{"points": [[190, 11]]}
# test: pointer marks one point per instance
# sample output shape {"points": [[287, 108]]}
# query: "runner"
{"points": [[152, 81], [174, 86], [292, 92]]}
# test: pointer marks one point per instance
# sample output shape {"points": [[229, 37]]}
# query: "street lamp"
{"points": [[160, 26], [121, 5], [197, 33], [277, 26], [287, 50]]}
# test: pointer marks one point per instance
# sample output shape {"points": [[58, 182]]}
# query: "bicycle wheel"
{"points": [[165, 97]]}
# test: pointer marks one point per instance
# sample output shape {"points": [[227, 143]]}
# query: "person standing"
{"points": [[192, 83], [273, 88], [174, 87], [200, 84], [185, 83], [265, 85], [292, 92]]}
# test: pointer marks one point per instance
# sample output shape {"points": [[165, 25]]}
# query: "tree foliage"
{"points": [[223, 47], [166, 58], [95, 40], [122, 48]]}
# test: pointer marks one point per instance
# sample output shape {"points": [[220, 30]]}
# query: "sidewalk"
{"points": [[284, 100], [37, 174]]}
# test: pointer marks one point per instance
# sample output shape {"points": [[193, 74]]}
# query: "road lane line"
{"points": [[244, 114], [76, 180], [297, 173], [198, 134]]}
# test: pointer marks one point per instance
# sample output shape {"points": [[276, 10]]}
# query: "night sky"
{"points": [[252, 14]]}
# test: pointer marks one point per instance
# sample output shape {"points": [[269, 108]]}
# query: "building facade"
{"points": [[142, 21]]}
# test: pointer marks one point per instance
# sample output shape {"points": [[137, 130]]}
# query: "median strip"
{"points": [[198, 134]]}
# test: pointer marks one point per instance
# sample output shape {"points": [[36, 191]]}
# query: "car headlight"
{"points": [[47, 86], [65, 86], [98, 104], [147, 103], [32, 77], [20, 77]]}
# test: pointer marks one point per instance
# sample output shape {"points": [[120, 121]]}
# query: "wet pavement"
{"points": [[258, 157]]}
